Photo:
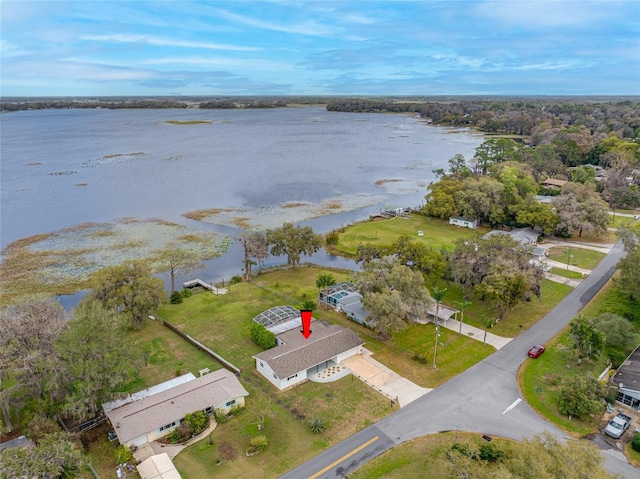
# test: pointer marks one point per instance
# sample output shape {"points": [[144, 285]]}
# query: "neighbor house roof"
{"points": [[628, 374], [139, 417], [297, 353], [554, 182], [524, 236]]}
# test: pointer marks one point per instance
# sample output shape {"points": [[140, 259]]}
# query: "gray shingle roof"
{"points": [[628, 374], [298, 354], [139, 417]]}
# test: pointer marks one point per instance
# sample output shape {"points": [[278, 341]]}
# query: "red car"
{"points": [[536, 351]]}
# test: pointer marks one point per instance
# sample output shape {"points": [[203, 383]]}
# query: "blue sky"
{"points": [[309, 47]]}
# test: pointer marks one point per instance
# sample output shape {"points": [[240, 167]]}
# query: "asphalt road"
{"points": [[484, 399]]}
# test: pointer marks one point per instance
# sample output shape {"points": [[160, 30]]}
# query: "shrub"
{"points": [[236, 279], [262, 336], [186, 292], [635, 442], [198, 421], [123, 455], [309, 305], [331, 239], [257, 444], [175, 298], [490, 452], [317, 425], [220, 417]]}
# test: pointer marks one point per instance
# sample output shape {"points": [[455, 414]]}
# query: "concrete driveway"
{"points": [[383, 379]]}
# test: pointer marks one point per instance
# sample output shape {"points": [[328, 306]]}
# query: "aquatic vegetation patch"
{"points": [[275, 216], [62, 262], [63, 173], [114, 158], [189, 122]]}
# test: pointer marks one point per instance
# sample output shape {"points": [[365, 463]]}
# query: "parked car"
{"points": [[536, 351], [617, 426]]}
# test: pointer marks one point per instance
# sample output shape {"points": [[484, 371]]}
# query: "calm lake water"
{"points": [[60, 168]]}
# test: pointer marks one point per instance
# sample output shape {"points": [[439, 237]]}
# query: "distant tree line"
{"points": [[518, 116], [9, 106]]}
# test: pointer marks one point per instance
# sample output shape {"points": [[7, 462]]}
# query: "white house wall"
{"points": [[347, 354], [281, 383]]}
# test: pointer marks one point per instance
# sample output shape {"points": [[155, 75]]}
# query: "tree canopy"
{"points": [[129, 289], [293, 241]]}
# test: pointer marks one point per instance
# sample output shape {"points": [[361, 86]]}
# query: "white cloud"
{"points": [[165, 42]]}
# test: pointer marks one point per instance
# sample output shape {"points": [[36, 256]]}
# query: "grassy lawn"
{"points": [[423, 457], [541, 379], [168, 356], [565, 273], [580, 257], [346, 406], [620, 221], [437, 233], [611, 300]]}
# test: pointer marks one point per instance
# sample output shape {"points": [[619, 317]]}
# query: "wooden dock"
{"points": [[198, 282]]}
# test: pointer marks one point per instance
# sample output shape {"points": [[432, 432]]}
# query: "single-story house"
{"points": [[525, 236], [554, 183], [627, 380], [295, 358], [158, 466], [153, 415], [461, 221], [344, 297]]}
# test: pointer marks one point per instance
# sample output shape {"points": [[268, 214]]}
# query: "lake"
{"points": [[61, 168]]}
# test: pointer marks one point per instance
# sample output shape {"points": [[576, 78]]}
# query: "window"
{"points": [[261, 365], [230, 403], [291, 377], [167, 426]]}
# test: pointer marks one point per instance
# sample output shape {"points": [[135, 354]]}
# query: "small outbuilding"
{"points": [[464, 222]]}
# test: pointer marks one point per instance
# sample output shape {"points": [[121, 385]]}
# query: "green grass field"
{"points": [[580, 257], [437, 233], [565, 273]]}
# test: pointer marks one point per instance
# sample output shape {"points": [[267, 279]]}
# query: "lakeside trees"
{"points": [[293, 241], [129, 289]]}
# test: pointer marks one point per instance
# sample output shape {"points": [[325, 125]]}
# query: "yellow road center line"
{"points": [[346, 456]]}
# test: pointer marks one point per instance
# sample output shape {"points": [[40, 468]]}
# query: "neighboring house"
{"points": [[158, 466], [295, 358], [156, 414], [345, 298], [627, 380], [524, 236], [554, 184], [461, 221]]}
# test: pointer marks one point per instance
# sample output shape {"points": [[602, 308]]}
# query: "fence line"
{"points": [[225, 364]]}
